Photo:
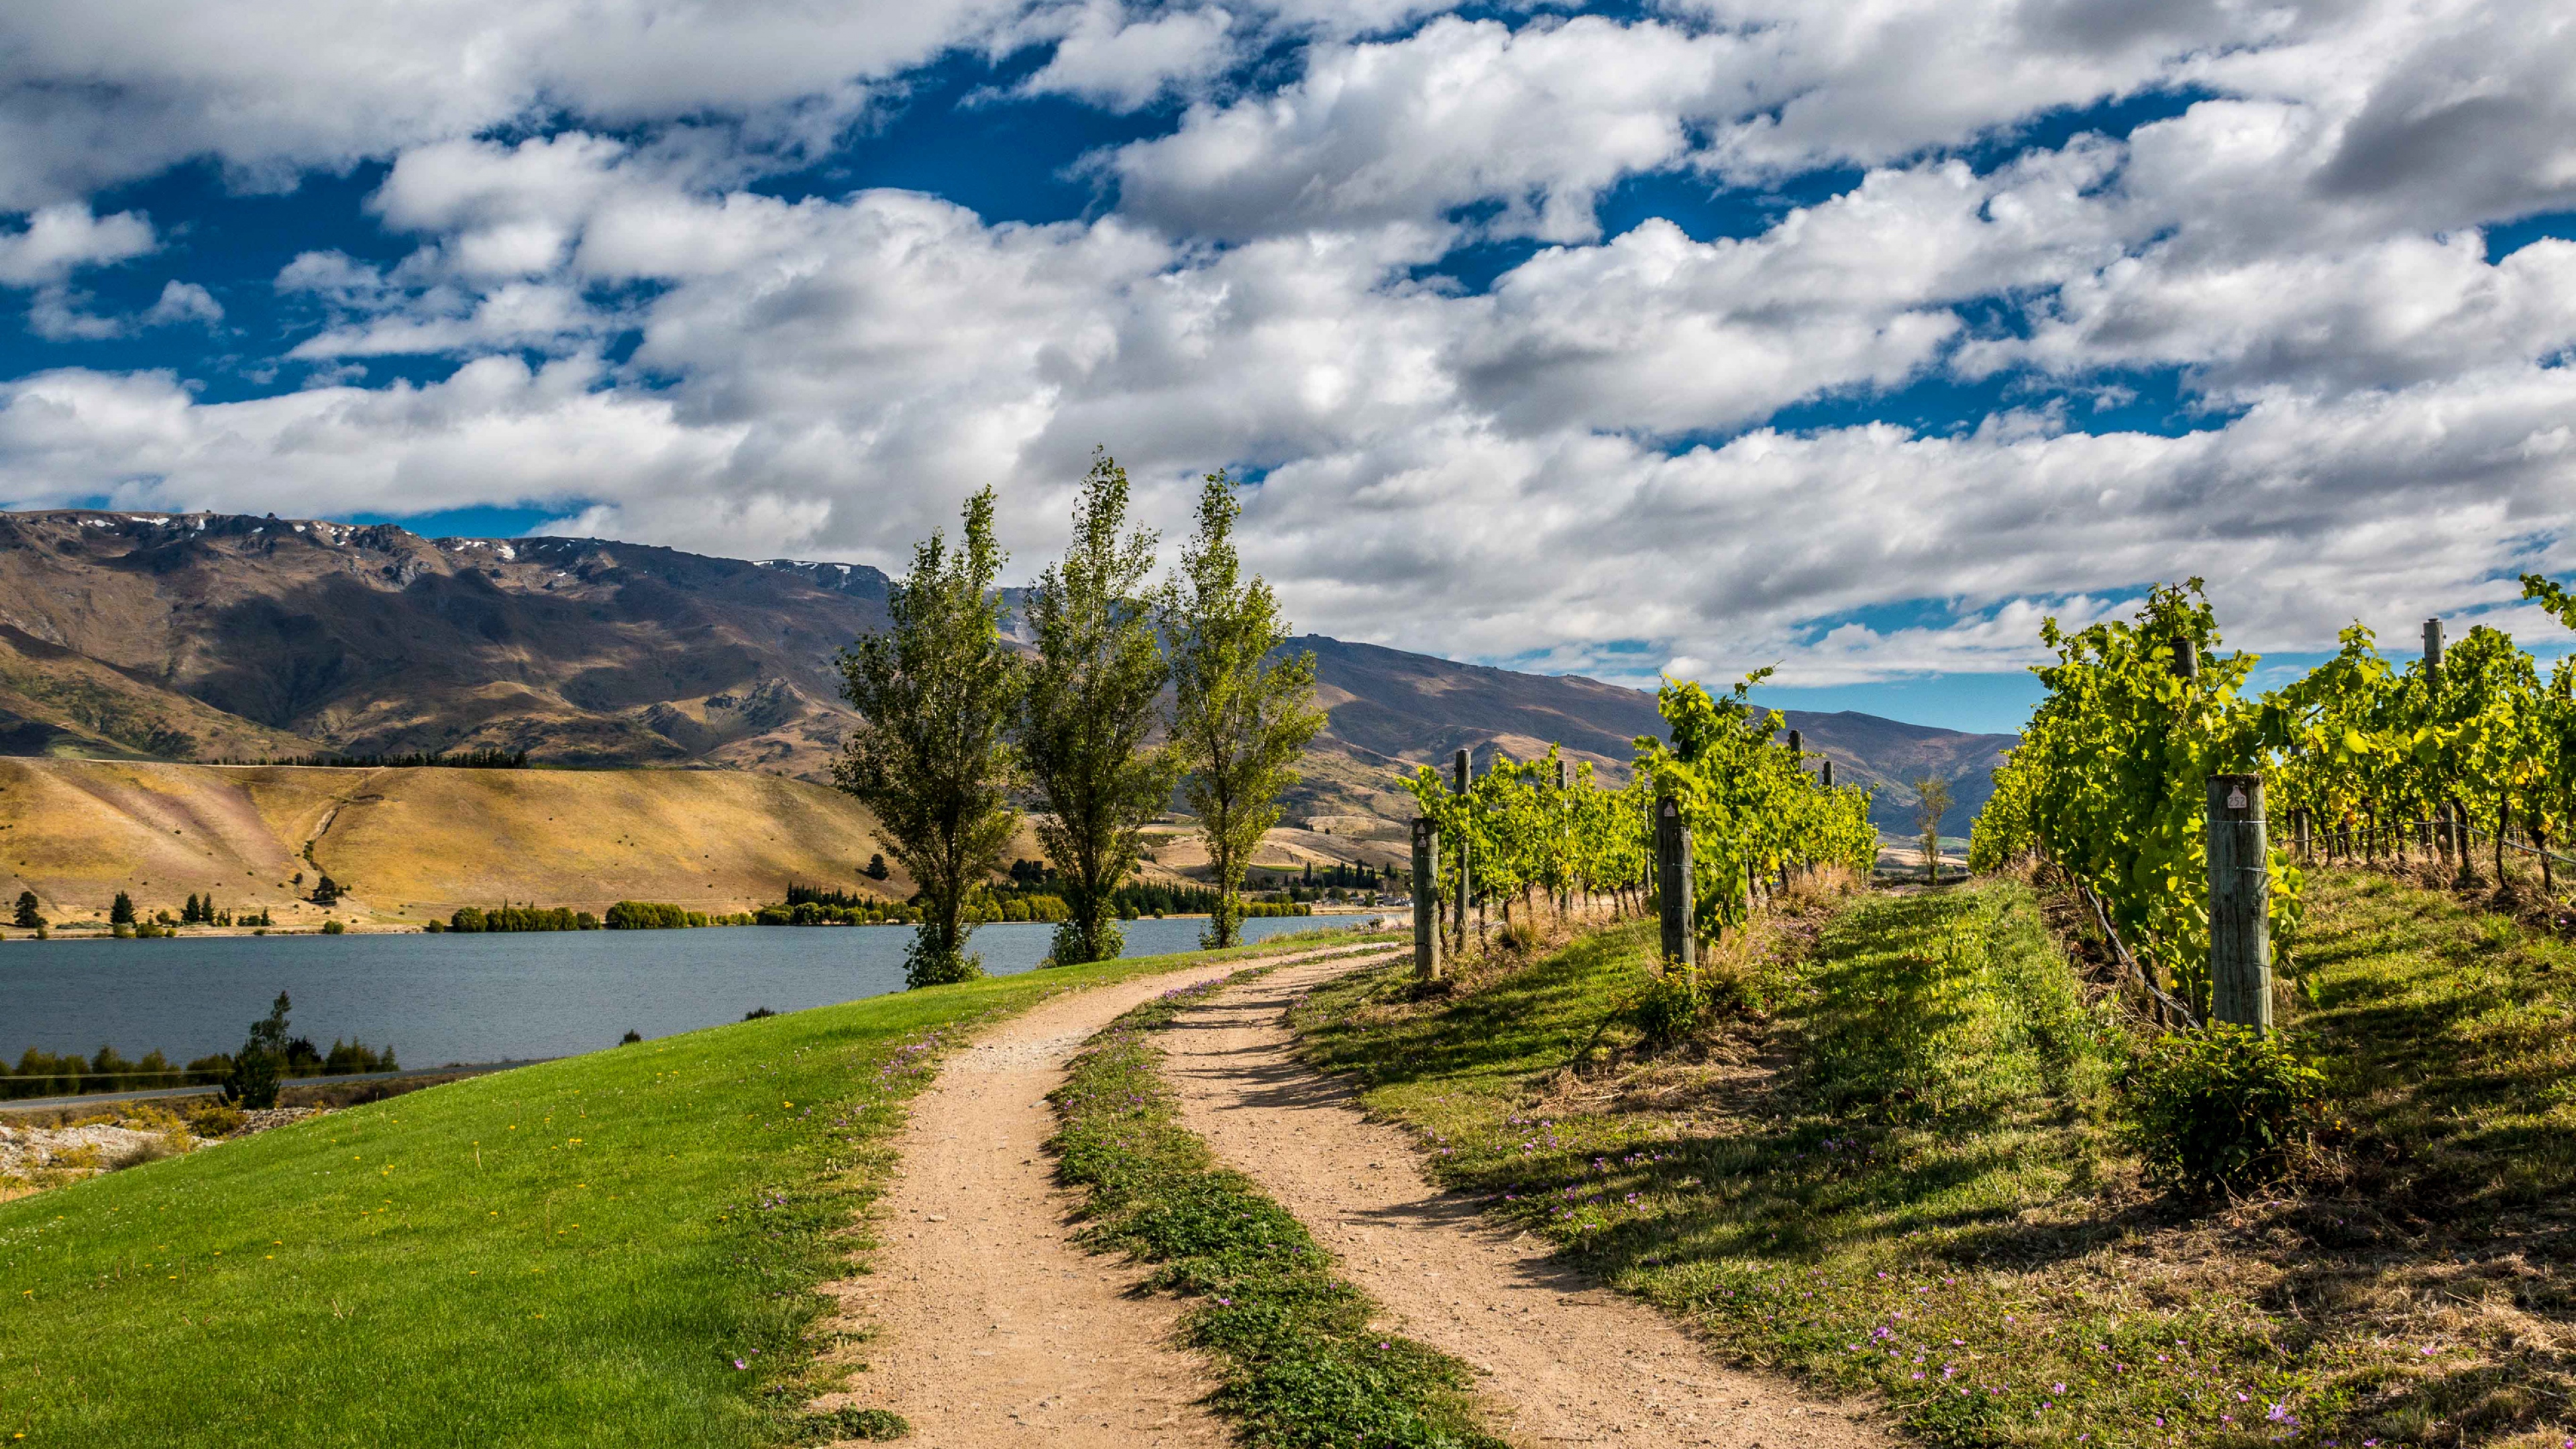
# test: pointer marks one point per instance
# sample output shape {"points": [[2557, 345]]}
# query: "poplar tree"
{"points": [[1239, 717], [1091, 708], [937, 694]]}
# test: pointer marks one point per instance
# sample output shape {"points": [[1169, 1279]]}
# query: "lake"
{"points": [[480, 998]]}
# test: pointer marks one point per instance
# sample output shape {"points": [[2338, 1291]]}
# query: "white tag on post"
{"points": [[2236, 798]]}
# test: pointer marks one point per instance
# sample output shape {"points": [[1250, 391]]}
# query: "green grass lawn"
{"points": [[613, 1249], [1907, 1178]]}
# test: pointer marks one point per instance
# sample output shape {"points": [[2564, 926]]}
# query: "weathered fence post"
{"points": [[1426, 899], [1465, 848], [1565, 889], [2186, 660], [2240, 893], [1673, 879], [1828, 777]]}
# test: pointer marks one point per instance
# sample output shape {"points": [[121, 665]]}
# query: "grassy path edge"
{"points": [[1298, 1363]]}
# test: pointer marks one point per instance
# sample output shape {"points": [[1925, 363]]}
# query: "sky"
{"points": [[1688, 337]]}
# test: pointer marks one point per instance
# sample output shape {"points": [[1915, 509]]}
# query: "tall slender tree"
{"points": [[1091, 710], [1239, 715], [937, 694]]}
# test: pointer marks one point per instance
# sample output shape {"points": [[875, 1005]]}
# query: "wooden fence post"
{"points": [[1565, 890], [1426, 899], [1465, 847], [1828, 777], [2240, 894], [1673, 880]]}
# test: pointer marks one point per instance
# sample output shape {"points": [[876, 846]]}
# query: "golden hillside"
{"points": [[409, 844]]}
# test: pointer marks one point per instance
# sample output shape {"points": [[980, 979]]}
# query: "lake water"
{"points": [[480, 998]]}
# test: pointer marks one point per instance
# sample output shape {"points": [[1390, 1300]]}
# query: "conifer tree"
{"points": [[120, 912], [1239, 717], [1091, 710], [28, 918], [937, 694]]}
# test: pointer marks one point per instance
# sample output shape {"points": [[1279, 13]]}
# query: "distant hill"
{"points": [[222, 636], [410, 844]]}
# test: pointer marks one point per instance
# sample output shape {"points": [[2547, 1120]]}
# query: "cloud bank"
{"points": [[1704, 336]]}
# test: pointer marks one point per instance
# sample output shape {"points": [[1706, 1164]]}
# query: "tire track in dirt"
{"points": [[989, 1327], [1563, 1359]]}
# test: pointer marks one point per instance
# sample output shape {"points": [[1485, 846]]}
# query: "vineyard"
{"points": [[1756, 811], [2457, 757]]}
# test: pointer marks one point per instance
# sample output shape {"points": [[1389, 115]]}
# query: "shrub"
{"points": [[2219, 1105], [631, 1038], [1669, 1008], [334, 928], [648, 916], [467, 918]]}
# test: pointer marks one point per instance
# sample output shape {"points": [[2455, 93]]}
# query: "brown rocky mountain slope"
{"points": [[216, 636]]}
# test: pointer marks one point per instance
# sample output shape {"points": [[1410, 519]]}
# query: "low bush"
{"points": [[2220, 1105]]}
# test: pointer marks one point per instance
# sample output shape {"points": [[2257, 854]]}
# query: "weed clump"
{"points": [[2219, 1106]]}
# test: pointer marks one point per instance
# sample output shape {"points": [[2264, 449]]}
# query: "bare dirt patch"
{"points": [[1565, 1360]]}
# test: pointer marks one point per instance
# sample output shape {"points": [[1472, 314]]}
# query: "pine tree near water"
{"points": [[1239, 717], [1090, 709], [937, 694], [261, 1062], [29, 917], [120, 912]]}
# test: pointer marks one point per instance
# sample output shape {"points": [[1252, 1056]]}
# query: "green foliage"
{"points": [[29, 917], [849, 1422], [1749, 803], [47, 1074], [1675, 1000], [2220, 1105], [261, 1062], [2110, 780], [1300, 1367], [937, 694], [1240, 717], [120, 912], [335, 928], [1090, 710], [505, 917], [636, 916]]}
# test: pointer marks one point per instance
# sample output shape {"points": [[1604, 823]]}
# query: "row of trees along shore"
{"points": [[1756, 807], [953, 724], [2462, 756]]}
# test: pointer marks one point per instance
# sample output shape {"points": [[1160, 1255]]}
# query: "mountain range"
{"points": [[150, 636]]}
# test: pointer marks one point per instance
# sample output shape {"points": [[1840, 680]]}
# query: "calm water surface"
{"points": [[482, 998]]}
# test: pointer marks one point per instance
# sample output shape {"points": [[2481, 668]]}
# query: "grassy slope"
{"points": [[1909, 1183], [573, 1253]]}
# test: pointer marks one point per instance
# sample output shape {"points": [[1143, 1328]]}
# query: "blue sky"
{"points": [[1689, 337]]}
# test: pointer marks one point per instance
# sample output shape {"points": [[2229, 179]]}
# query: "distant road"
{"points": [[468, 1069]]}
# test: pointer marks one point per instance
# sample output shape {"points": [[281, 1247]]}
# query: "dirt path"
{"points": [[990, 1329], [1566, 1361]]}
